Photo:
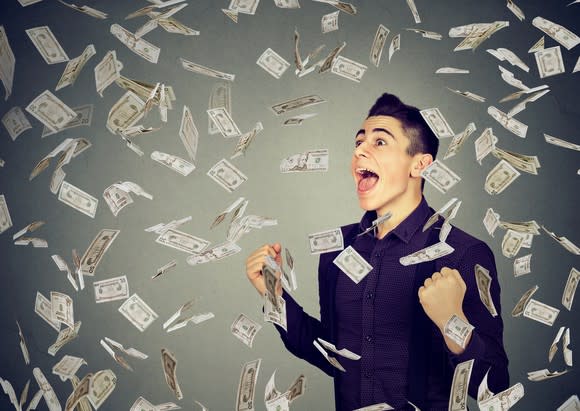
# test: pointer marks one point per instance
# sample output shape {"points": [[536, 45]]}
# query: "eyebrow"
{"points": [[375, 130]]}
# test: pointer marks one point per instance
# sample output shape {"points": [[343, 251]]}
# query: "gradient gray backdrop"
{"points": [[210, 358]]}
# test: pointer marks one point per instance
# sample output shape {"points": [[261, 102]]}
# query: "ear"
{"points": [[420, 162]]}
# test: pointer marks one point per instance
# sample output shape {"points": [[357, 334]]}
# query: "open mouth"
{"points": [[367, 179]]}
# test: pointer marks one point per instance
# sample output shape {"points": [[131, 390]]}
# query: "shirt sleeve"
{"points": [[486, 344], [304, 329]]}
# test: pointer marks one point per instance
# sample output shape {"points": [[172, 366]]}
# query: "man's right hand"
{"points": [[257, 260]]}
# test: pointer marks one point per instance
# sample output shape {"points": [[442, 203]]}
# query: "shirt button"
{"points": [[369, 295], [369, 338]]}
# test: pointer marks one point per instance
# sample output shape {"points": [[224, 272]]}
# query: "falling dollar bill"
{"points": [[227, 175], [378, 44], [138, 312], [570, 288], [47, 391], [247, 386], [51, 111], [541, 312], [297, 103], [137, 45], [427, 254], [559, 33], [352, 264], [112, 289], [169, 363], [549, 61], [459, 386], [206, 71], [224, 122], [440, 176], [311, 160], [348, 69], [96, 250], [273, 63], [326, 241], [500, 177], [74, 67], [47, 45], [458, 330], [483, 281], [15, 122], [245, 329], [437, 123], [5, 219]]}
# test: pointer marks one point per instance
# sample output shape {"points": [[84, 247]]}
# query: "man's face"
{"points": [[380, 164]]}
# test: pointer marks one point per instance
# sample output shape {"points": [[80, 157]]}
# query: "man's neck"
{"points": [[399, 213]]}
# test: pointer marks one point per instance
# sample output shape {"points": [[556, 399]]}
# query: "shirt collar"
{"points": [[406, 228]]}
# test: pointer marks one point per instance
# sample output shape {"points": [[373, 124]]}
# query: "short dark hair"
{"points": [[422, 139]]}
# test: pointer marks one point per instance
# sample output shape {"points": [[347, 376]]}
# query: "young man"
{"points": [[395, 316]]}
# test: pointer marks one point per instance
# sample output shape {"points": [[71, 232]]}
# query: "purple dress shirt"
{"points": [[374, 318]]}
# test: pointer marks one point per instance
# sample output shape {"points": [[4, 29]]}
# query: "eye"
{"points": [[357, 143], [381, 142]]}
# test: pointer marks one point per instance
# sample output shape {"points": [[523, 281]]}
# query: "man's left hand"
{"points": [[442, 296]]}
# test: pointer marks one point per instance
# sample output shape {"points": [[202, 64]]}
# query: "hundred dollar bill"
{"points": [[239, 206], [107, 71], [296, 389], [65, 336], [138, 46], [331, 360], [271, 393], [512, 243], [245, 329], [83, 117], [541, 375], [102, 385], [565, 346], [343, 352], [312, 160], [169, 363], [80, 391], [378, 44], [478, 33], [522, 265], [62, 308], [503, 400], [138, 312], [141, 404], [468, 94], [427, 254], [28, 229], [554, 346], [175, 163], [538, 45], [224, 122], [23, 346], [440, 176], [68, 366], [564, 242], [509, 123], [246, 139], [287, 4], [483, 281], [206, 71], [329, 22], [280, 403], [15, 122], [503, 54], [572, 403], [7, 63], [116, 199], [559, 33], [125, 112], [188, 133], [273, 63], [51, 111], [448, 212], [217, 252], [528, 164], [326, 241], [273, 314], [484, 144], [47, 45], [221, 96], [458, 330], [78, 199], [298, 120], [226, 175], [89, 11], [500, 177], [47, 391], [247, 386], [549, 62], [43, 308], [523, 301], [382, 406], [74, 67], [348, 69], [340, 5], [541, 312], [427, 34], [513, 7], [394, 46], [522, 104], [326, 64], [5, 220], [244, 6], [451, 70], [521, 226], [301, 102], [352, 264], [561, 143], [459, 386], [437, 122], [458, 141], [97, 249], [570, 288], [112, 289], [182, 241], [413, 8]]}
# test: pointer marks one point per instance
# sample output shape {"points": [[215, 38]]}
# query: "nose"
{"points": [[361, 150]]}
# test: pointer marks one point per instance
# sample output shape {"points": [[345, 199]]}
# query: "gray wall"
{"points": [[210, 358]]}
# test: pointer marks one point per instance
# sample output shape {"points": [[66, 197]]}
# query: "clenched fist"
{"points": [[256, 261], [442, 296]]}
